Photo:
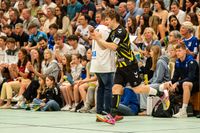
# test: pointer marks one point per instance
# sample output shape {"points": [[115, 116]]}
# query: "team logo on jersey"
{"points": [[116, 40], [189, 44], [120, 30]]}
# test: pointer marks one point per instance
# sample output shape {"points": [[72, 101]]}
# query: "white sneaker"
{"points": [[181, 114], [73, 109], [64, 108]]}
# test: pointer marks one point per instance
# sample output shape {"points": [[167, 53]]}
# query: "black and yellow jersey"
{"points": [[124, 53]]}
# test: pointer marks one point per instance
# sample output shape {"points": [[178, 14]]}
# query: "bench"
{"points": [[195, 101]]}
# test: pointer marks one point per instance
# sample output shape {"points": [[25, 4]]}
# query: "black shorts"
{"points": [[195, 88], [129, 74]]}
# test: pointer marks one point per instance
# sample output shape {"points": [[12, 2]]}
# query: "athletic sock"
{"points": [[184, 106], [115, 101]]}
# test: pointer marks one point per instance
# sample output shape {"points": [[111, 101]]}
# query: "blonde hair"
{"points": [[154, 36]]}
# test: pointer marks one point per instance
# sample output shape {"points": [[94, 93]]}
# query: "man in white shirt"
{"points": [[103, 65], [61, 48], [175, 10], [76, 47]]}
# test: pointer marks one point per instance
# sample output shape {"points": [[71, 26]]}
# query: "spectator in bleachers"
{"points": [[51, 19], [131, 25], [5, 5], [149, 38], [76, 68], [7, 29], [175, 10], [122, 10], [98, 18], [28, 19], [48, 97], [174, 23], [34, 35], [189, 39], [162, 13], [53, 28], [63, 22], [89, 8], [82, 31], [66, 78], [21, 6], [142, 24], [61, 48], [49, 67], [90, 82], [192, 17], [3, 43], [34, 7], [42, 21], [14, 18], [42, 45], [190, 6], [147, 8], [133, 10], [73, 10], [22, 37], [76, 47], [48, 4], [186, 78], [18, 71]]}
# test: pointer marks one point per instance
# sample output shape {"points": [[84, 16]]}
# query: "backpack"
{"points": [[175, 105], [158, 111]]}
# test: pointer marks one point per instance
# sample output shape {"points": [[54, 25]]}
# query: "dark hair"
{"points": [[162, 4], [79, 56], [3, 38], [87, 17], [7, 26], [73, 37], [146, 22], [54, 26], [178, 26], [194, 18], [26, 58], [175, 3], [52, 78], [59, 19], [84, 58], [113, 15], [42, 38], [133, 27]]}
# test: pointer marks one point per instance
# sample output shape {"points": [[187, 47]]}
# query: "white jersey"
{"points": [[103, 60]]}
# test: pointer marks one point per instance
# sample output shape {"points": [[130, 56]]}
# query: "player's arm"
{"points": [[110, 45]]}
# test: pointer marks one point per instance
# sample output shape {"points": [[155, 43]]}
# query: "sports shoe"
{"points": [[93, 110], [118, 118], [106, 118], [181, 114], [84, 109], [16, 106], [5, 106], [165, 100], [73, 109]]}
